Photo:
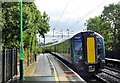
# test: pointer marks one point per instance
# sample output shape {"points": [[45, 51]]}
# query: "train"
{"points": [[85, 51]]}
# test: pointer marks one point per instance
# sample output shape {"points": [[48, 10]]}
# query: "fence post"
{"points": [[12, 62], [16, 62], [4, 65]]}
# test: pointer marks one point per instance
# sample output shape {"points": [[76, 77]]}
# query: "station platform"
{"points": [[49, 69]]}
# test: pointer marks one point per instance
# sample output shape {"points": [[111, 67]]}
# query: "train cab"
{"points": [[88, 51]]}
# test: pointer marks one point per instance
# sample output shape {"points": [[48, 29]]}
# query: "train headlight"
{"points": [[80, 57]]}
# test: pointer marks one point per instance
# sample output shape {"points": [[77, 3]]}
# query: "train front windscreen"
{"points": [[78, 50]]}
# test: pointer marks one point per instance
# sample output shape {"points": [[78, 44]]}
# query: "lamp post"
{"points": [[62, 33], [21, 46], [68, 32], [53, 32]]}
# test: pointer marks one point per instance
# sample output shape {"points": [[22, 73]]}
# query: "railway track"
{"points": [[114, 63], [93, 79], [112, 69], [109, 75], [88, 79]]}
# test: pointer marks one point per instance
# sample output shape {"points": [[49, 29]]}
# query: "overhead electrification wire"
{"points": [[72, 14], [74, 24], [77, 8], [87, 15], [62, 12]]}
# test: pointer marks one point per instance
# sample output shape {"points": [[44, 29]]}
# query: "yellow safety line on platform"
{"points": [[55, 72]]}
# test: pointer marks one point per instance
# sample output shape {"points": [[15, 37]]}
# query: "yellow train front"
{"points": [[84, 51], [88, 52]]}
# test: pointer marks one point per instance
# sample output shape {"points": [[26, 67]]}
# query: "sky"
{"points": [[70, 15]]}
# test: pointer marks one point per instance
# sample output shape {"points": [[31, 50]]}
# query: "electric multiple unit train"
{"points": [[85, 51]]}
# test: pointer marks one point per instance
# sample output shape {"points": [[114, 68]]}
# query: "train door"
{"points": [[90, 50]]}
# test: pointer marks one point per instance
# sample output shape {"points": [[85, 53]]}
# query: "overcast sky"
{"points": [[70, 14]]}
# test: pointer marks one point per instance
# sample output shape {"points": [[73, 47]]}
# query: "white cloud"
{"points": [[75, 8], [46, 5], [73, 13]]}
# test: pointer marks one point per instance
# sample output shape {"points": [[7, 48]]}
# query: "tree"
{"points": [[101, 27], [111, 14], [45, 25], [1, 25], [32, 23], [108, 25]]}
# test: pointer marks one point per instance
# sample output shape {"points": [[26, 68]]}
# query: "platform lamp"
{"points": [[21, 46]]}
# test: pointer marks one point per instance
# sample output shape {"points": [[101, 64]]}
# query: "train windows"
{"points": [[78, 51], [100, 48], [78, 48]]}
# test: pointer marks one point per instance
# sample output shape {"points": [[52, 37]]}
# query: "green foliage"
{"points": [[111, 14], [1, 25], [33, 23], [45, 25], [40, 50], [108, 25], [97, 25]]}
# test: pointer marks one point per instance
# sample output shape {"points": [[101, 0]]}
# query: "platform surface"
{"points": [[42, 70]]}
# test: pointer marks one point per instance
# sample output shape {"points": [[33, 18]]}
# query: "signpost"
{"points": [[21, 46]]}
